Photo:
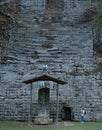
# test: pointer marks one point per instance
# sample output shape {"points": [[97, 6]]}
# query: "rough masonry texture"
{"points": [[50, 32]]}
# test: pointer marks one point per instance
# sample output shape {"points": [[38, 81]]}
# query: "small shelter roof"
{"points": [[45, 78]]}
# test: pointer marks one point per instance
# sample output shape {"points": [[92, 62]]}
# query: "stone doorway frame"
{"points": [[44, 78]]}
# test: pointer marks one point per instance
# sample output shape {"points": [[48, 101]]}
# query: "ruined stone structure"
{"points": [[50, 32]]}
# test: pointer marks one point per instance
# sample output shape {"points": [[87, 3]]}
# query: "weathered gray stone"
{"points": [[66, 46]]}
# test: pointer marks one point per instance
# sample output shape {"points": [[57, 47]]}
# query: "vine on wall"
{"points": [[8, 14], [97, 28]]}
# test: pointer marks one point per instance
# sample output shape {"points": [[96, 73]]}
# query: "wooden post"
{"points": [[57, 104], [30, 107]]}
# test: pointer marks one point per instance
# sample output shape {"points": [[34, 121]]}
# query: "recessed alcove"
{"points": [[54, 11], [55, 5], [66, 113], [43, 107]]}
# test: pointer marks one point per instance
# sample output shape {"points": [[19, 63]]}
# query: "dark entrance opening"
{"points": [[66, 113], [43, 96], [43, 99]]}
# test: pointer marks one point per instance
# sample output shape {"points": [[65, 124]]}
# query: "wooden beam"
{"points": [[45, 78]]}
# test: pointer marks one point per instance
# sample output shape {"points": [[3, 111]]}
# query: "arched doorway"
{"points": [[43, 99], [66, 113], [43, 107]]}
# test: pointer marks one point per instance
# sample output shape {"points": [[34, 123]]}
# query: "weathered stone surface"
{"points": [[43, 120], [40, 36]]}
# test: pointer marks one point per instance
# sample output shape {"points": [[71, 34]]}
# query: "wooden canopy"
{"points": [[45, 78]]}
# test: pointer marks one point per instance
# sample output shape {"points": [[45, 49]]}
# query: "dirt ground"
{"points": [[59, 124]]}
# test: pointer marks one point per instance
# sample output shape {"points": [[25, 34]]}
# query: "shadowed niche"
{"points": [[54, 5], [43, 99]]}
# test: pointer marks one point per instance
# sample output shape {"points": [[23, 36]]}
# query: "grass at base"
{"points": [[13, 125]]}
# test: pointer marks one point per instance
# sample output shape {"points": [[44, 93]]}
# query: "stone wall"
{"points": [[43, 35]]}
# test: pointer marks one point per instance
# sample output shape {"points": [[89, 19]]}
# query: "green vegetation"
{"points": [[97, 30], [96, 6], [11, 125], [98, 18]]}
